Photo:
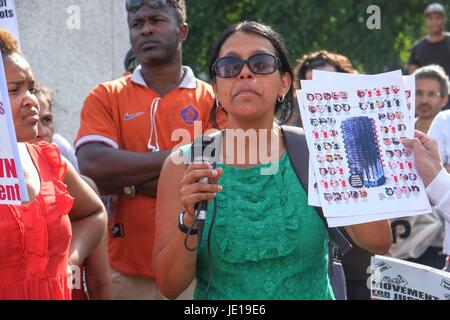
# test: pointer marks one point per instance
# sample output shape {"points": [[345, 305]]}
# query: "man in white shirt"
{"points": [[420, 239], [434, 176]]}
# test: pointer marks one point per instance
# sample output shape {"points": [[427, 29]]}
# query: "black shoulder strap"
{"points": [[299, 155], [447, 36]]}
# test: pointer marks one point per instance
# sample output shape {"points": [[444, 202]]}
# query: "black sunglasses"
{"points": [[260, 63], [134, 5]]}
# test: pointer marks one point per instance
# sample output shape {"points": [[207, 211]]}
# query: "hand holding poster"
{"points": [[12, 182], [394, 279]]}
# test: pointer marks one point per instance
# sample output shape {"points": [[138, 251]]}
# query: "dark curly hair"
{"points": [[283, 110], [180, 7], [319, 59], [181, 10]]}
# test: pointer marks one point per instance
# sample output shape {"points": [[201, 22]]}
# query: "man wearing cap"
{"points": [[435, 47], [126, 134]]}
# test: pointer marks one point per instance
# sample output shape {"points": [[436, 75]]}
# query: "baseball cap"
{"points": [[435, 8]]}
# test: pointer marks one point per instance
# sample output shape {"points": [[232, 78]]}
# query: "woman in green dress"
{"points": [[265, 241]]}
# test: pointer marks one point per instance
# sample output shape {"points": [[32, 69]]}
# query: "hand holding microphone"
{"points": [[193, 191], [199, 185]]}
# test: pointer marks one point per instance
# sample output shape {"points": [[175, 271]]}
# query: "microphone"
{"points": [[203, 150]]}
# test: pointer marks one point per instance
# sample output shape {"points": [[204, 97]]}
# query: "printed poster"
{"points": [[353, 125]]}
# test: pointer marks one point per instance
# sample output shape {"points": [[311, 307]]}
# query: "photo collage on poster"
{"points": [[359, 169]]}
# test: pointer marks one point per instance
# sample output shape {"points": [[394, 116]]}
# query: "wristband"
{"points": [[183, 228]]}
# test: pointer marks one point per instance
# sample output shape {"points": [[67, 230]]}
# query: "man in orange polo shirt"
{"points": [[125, 136]]}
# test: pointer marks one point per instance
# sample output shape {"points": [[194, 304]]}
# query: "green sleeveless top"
{"points": [[266, 242]]}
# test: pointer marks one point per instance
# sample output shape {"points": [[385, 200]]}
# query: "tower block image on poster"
{"points": [[363, 152]]}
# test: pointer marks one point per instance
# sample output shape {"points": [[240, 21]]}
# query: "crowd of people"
{"points": [[260, 239]]}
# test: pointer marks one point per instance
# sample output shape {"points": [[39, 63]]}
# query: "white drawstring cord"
{"points": [[153, 110]]}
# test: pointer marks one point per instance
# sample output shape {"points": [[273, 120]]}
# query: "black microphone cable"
{"points": [[211, 267], [201, 210], [210, 261], [186, 245]]}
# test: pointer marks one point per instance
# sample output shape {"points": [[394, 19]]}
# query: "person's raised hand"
{"points": [[193, 191], [426, 154]]}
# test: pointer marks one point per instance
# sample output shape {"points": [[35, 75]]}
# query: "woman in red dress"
{"points": [[36, 242]]}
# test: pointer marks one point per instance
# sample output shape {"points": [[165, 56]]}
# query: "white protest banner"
{"points": [[314, 196], [12, 182], [8, 18], [394, 279], [313, 192]]}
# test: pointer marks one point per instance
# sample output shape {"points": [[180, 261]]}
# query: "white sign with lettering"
{"points": [[12, 182], [394, 279], [8, 18]]}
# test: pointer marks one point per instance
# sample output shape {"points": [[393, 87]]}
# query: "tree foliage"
{"points": [[308, 25]]}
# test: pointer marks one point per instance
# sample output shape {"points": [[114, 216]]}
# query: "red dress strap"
{"points": [[58, 169], [54, 159]]}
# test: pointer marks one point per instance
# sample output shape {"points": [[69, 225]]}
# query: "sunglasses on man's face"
{"points": [[261, 63], [135, 5]]}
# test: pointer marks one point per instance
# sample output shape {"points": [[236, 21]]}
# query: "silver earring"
{"points": [[281, 98], [218, 106]]}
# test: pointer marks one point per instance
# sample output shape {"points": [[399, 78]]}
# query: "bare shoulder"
{"points": [[174, 165]]}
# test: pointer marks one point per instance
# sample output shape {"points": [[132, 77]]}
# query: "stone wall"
{"points": [[72, 45]]}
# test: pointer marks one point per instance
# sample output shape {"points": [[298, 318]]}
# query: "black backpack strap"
{"points": [[297, 147]]}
